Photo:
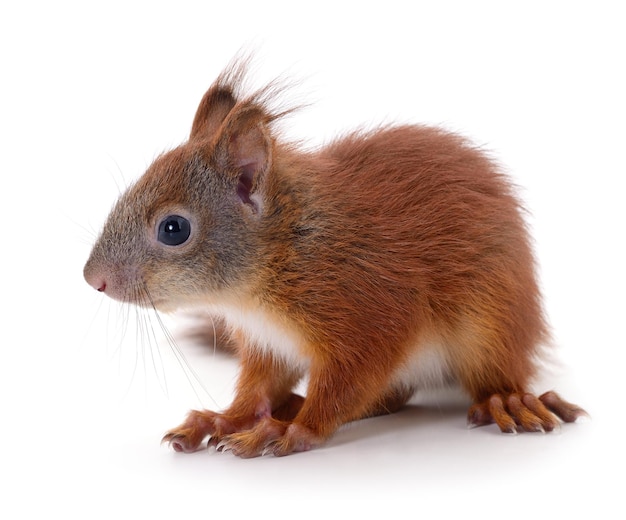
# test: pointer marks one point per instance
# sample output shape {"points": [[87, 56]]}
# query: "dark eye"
{"points": [[174, 230]]}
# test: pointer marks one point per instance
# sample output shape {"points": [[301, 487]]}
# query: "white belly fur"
{"points": [[268, 334], [425, 367]]}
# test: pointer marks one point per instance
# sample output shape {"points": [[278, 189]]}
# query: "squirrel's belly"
{"points": [[424, 368]]}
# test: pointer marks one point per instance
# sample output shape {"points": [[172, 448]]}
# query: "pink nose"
{"points": [[97, 282]]}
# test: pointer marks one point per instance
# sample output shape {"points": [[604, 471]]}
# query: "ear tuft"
{"points": [[237, 128], [220, 99]]}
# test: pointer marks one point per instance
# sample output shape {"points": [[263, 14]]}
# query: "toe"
{"points": [[526, 419], [505, 422], [478, 415], [567, 411]]}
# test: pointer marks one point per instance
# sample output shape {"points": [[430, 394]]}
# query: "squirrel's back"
{"points": [[400, 233]]}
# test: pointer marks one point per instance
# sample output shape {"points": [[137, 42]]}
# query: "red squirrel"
{"points": [[384, 262]]}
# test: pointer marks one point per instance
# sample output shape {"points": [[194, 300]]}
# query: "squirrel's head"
{"points": [[186, 230]]}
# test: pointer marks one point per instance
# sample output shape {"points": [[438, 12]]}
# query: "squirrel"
{"points": [[384, 262]]}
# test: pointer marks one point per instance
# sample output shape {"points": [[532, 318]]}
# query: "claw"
{"points": [[176, 442], [268, 450], [583, 418], [176, 446], [222, 446], [478, 415], [509, 430]]}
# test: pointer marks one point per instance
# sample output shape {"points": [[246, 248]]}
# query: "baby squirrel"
{"points": [[384, 262]]}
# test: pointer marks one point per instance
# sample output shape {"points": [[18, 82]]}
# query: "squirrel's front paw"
{"points": [[270, 436], [198, 426]]}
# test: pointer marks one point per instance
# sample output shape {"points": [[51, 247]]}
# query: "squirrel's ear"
{"points": [[213, 109], [220, 99], [245, 147]]}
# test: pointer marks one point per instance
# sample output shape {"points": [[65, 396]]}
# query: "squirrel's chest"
{"points": [[268, 333]]}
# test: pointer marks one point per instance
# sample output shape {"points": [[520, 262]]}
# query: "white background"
{"points": [[91, 92]]}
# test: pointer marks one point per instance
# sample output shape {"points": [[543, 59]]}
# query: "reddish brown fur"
{"points": [[382, 246]]}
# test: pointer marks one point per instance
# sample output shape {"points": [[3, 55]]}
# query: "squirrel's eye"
{"points": [[174, 230]]}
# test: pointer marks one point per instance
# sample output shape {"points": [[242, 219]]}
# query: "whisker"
{"points": [[121, 174], [146, 340], [190, 373], [140, 339], [85, 235], [151, 336], [214, 335], [90, 325], [125, 307]]}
